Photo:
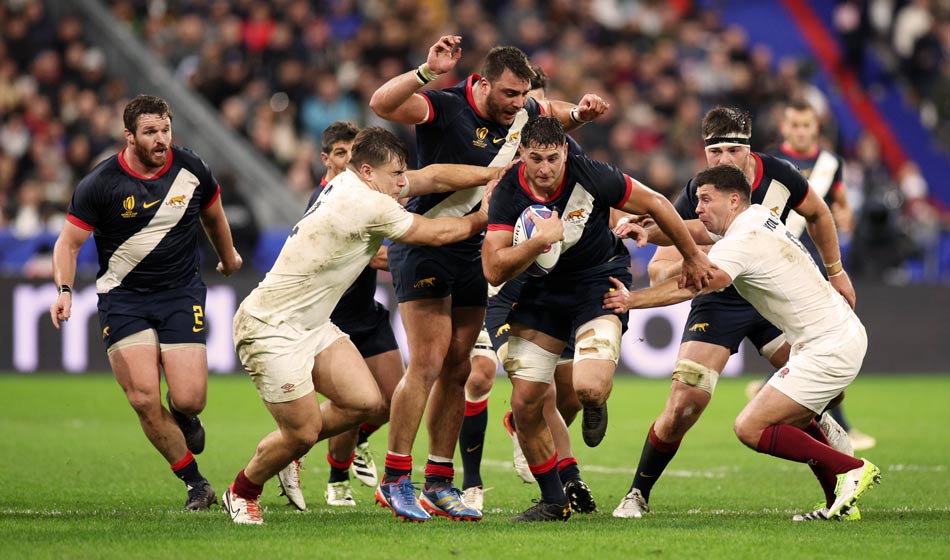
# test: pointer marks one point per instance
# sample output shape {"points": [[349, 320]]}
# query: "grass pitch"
{"points": [[79, 480]]}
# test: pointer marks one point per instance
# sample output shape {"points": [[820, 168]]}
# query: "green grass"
{"points": [[79, 480]]}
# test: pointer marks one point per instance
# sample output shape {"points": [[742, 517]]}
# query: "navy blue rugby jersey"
{"points": [[358, 301], [146, 229], [587, 191], [456, 132], [778, 186], [828, 174]]}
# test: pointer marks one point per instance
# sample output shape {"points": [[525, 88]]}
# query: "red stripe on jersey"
{"points": [[78, 223], [217, 193], [759, 169], [430, 115], [524, 185], [837, 186], [626, 195], [469, 84], [162, 171], [540, 107], [501, 227]]}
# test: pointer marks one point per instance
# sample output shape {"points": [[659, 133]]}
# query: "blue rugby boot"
{"points": [[400, 498], [445, 500]]}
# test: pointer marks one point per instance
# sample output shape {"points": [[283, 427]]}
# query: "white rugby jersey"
{"points": [[325, 252], [773, 271]]}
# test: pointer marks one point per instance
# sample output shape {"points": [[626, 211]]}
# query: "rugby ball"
{"points": [[524, 228]]}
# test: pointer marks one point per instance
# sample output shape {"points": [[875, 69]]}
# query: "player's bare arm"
{"points": [[443, 231], [446, 177], [502, 262], [380, 260], [697, 268], [216, 227], [573, 115], [821, 229], [653, 234], [668, 292], [841, 210], [65, 251], [397, 100]]}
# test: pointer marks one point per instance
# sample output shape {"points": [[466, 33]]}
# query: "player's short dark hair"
{"points": [[726, 177], [376, 147], [540, 79], [339, 131], [143, 104], [500, 59], [543, 131], [800, 104], [727, 121]]}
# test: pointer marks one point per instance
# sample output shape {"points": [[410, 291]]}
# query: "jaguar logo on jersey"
{"points": [[129, 205], [699, 327], [425, 283], [575, 216], [502, 330], [105, 332], [480, 135], [177, 201]]}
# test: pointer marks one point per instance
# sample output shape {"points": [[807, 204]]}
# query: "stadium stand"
{"points": [[275, 72]]}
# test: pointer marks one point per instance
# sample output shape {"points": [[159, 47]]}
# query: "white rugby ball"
{"points": [[524, 228]]}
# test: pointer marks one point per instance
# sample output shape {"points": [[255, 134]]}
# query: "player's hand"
{"points": [[486, 199], [630, 230], [233, 264], [617, 299], [591, 106], [61, 308], [444, 54], [842, 284], [550, 230], [698, 270]]}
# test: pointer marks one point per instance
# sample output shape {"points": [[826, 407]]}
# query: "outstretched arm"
{"points": [[576, 115], [697, 269], [397, 101], [445, 177]]}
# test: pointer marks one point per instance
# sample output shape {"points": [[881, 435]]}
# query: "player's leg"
{"points": [[472, 434], [298, 427], [567, 402], [342, 376], [580, 495], [444, 415], [530, 362], [135, 362], [694, 378], [597, 350]]}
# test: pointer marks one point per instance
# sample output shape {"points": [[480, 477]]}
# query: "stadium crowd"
{"points": [[280, 71]]}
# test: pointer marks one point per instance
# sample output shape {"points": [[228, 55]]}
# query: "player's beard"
{"points": [[496, 112], [148, 157]]}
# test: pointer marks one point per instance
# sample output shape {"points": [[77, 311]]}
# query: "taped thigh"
{"points": [[147, 337], [696, 375], [598, 339], [772, 346], [484, 348], [526, 360]]}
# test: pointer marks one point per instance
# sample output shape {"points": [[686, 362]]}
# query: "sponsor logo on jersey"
{"points": [[699, 327], [150, 204], [176, 201], [425, 283], [502, 330], [287, 387], [129, 205], [480, 135]]}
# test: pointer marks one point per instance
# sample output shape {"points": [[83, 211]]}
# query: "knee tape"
{"points": [[696, 375], [483, 348], [526, 360], [771, 347], [598, 339]]}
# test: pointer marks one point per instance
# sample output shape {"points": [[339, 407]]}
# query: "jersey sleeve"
{"points": [[84, 206], [391, 220], [733, 255], [503, 211], [792, 178], [439, 102]]}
